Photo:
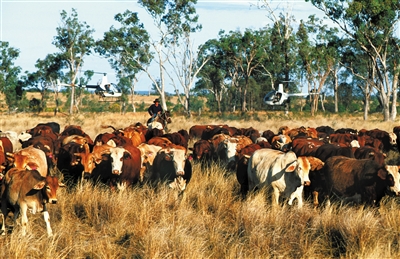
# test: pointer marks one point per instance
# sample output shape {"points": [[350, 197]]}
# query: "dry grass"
{"points": [[210, 221]]}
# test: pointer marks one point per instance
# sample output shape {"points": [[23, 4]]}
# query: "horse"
{"points": [[160, 121]]}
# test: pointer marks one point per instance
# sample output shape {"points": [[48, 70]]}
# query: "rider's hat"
{"points": [[156, 101]]}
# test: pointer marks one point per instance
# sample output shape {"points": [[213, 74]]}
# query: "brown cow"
{"points": [[159, 141], [29, 158], [371, 153], [352, 179], [388, 139], [25, 189], [306, 146], [177, 139], [125, 165], [136, 136], [203, 151], [47, 145]]}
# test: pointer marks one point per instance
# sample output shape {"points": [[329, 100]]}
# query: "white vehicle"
{"points": [[105, 89]]}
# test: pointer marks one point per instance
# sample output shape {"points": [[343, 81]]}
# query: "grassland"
{"points": [[211, 220]]}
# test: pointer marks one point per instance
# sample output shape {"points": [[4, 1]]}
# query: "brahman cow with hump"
{"points": [[25, 189], [171, 165], [353, 180], [29, 158], [284, 172]]}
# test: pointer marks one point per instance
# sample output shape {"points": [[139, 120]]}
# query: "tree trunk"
{"points": [[394, 97], [336, 89], [71, 108], [244, 103], [366, 104]]}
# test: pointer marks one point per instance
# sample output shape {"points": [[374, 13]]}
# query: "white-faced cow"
{"points": [[171, 165]]}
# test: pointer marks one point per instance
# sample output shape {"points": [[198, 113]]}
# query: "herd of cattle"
{"points": [[321, 162]]}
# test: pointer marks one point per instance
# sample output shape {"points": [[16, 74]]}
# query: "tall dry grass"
{"points": [[209, 221]]}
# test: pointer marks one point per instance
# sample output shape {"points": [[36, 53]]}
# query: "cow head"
{"points": [[52, 185], [88, 161], [118, 155], [178, 157], [394, 179], [392, 139], [229, 146]]}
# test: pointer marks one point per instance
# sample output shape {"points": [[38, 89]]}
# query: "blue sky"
{"points": [[30, 25]]}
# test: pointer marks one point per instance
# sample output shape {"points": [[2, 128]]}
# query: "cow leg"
{"points": [[4, 213], [46, 218], [275, 197], [298, 194], [3, 225], [24, 218], [315, 199]]}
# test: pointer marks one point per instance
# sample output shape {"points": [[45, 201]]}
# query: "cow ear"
{"points": [[382, 173], [315, 163], [127, 155], [32, 166], [39, 185], [168, 156], [390, 180], [291, 167]]}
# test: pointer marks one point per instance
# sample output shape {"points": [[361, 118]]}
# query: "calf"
{"points": [[25, 189]]}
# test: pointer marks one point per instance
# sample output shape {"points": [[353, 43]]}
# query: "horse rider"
{"points": [[155, 109]]}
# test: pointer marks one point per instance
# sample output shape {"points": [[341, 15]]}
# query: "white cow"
{"points": [[284, 172]]}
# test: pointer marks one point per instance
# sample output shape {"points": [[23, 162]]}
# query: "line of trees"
{"points": [[358, 57]]}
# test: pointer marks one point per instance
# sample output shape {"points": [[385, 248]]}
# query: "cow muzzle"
{"points": [[307, 183], [53, 201], [86, 175], [117, 172], [180, 173]]}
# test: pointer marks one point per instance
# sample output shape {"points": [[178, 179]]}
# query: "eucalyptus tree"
{"points": [[75, 41], [361, 70], [371, 25], [172, 19], [240, 56], [127, 49], [185, 65], [9, 73], [49, 70], [283, 49], [318, 55], [211, 77]]}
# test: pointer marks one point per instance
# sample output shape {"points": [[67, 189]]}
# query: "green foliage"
{"points": [[196, 103], [141, 106], [75, 41]]}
